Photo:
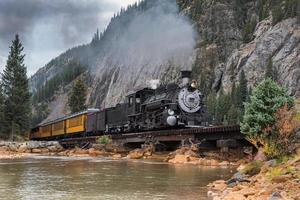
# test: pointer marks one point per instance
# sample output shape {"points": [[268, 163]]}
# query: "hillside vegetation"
{"points": [[219, 40]]}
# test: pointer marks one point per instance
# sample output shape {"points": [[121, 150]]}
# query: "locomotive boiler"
{"points": [[168, 106]]}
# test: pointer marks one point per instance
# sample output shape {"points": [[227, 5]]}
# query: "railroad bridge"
{"points": [[219, 136]]}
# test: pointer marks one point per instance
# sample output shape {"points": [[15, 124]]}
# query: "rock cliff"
{"points": [[156, 39]]}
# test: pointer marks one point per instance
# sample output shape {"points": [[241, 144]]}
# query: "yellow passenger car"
{"points": [[34, 133], [58, 128], [76, 124], [45, 131]]}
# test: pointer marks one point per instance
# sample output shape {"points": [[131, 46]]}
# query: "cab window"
{"points": [[130, 101]]}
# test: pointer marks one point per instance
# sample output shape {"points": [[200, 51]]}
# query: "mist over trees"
{"points": [[16, 107]]}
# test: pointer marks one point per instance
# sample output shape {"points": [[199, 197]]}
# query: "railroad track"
{"points": [[196, 131]]}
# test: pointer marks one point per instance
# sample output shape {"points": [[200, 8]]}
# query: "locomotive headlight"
{"points": [[171, 112]]}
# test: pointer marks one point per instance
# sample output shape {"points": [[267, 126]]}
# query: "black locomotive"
{"points": [[168, 106]]}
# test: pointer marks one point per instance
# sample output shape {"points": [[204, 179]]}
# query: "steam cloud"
{"points": [[154, 37], [144, 47]]}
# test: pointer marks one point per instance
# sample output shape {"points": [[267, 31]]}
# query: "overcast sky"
{"points": [[49, 27]]}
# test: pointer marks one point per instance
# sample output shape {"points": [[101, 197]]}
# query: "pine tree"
{"points": [[77, 97], [234, 94], [270, 72], [211, 102], [233, 116], [1, 111], [223, 105], [260, 114], [17, 109], [242, 91]]}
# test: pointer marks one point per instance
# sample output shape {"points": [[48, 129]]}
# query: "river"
{"points": [[43, 178]]}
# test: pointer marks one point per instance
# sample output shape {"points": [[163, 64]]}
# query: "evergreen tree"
{"points": [[40, 113], [77, 97], [242, 91], [1, 111], [234, 94], [223, 105], [211, 102], [233, 115], [16, 91], [270, 72], [260, 114]]}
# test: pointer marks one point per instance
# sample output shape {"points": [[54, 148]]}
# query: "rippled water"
{"points": [[43, 178]]}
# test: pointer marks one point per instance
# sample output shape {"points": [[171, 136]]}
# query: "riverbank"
{"points": [[268, 180], [184, 155]]}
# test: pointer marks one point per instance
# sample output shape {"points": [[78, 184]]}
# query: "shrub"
{"points": [[252, 168], [268, 118], [104, 139]]}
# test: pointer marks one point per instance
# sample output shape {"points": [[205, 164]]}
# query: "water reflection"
{"points": [[69, 178]]}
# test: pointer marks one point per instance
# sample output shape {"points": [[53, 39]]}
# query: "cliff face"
{"points": [[243, 35], [278, 44], [156, 39]]}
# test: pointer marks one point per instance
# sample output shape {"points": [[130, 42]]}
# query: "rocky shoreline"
{"points": [[261, 180], [184, 155]]}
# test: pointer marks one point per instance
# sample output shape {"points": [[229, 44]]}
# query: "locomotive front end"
{"points": [[190, 101]]}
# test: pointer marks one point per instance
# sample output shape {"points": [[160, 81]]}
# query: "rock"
{"points": [[194, 148], [116, 156], [280, 43], [234, 196], [63, 153], [94, 152], [268, 164], [98, 147], [248, 192], [180, 159], [80, 151], [22, 148], [44, 150], [219, 185], [282, 178], [28, 151], [4, 148], [213, 162], [224, 163], [297, 151], [53, 149], [275, 196], [136, 154], [237, 178], [191, 153], [13, 146], [260, 156], [36, 150]]}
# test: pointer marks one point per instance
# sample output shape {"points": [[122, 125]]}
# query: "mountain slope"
{"points": [[155, 39]]}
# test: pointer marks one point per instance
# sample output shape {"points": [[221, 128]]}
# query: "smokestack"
{"points": [[186, 76]]}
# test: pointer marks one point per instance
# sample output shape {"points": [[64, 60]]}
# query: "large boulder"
{"points": [[22, 148], [180, 159], [36, 151], [260, 156], [80, 151], [94, 152], [136, 154]]}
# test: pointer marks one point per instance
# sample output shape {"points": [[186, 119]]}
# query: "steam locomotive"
{"points": [[168, 106]]}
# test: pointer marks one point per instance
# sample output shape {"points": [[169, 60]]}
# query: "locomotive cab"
{"points": [[135, 100]]}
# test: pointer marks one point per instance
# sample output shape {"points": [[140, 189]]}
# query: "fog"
{"points": [[49, 27], [153, 37]]}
